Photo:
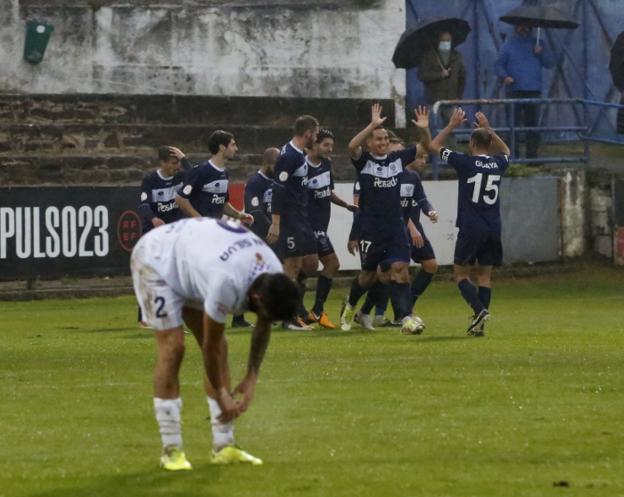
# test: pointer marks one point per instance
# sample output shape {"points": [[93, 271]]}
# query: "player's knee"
{"points": [[431, 266], [310, 265], [367, 279]]}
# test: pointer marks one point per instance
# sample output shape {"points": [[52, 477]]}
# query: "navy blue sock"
{"points": [[356, 292], [420, 284], [381, 303], [301, 312], [469, 292], [401, 298], [369, 303], [323, 286], [485, 294]]}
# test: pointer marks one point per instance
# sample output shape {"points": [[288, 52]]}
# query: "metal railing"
{"points": [[585, 132]]}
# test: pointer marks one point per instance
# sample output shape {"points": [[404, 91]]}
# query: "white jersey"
{"points": [[210, 262]]}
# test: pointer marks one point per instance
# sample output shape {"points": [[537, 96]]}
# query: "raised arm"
{"points": [[498, 146], [457, 119], [355, 145], [421, 121]]}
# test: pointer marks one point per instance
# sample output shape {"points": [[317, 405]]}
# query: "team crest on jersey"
{"points": [[283, 176]]}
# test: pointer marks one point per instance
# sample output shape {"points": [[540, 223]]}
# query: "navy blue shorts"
{"points": [[423, 253], [384, 252], [323, 244], [478, 246], [296, 237]]}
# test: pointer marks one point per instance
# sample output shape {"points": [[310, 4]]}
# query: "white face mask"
{"points": [[444, 46]]}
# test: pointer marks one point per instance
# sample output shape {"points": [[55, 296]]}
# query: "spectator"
{"points": [[443, 73], [519, 65], [616, 66]]}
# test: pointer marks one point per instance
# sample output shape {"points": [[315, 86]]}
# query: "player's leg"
{"points": [[428, 268], [162, 309], [224, 449], [401, 298], [467, 248], [331, 265], [360, 285]]}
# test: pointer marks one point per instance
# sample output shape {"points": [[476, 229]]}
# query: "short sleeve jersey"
{"points": [[258, 193], [320, 187], [210, 261], [206, 187], [479, 177], [413, 197], [290, 178], [380, 213], [157, 197]]}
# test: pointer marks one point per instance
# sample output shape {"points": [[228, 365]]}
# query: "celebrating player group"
{"points": [[198, 270]]}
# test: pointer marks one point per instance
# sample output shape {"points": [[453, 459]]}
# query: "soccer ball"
{"points": [[412, 325]]}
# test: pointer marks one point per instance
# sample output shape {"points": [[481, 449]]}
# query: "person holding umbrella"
{"points": [[616, 66], [443, 73], [519, 65]]}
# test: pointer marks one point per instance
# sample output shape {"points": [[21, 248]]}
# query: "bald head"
{"points": [[269, 157]]}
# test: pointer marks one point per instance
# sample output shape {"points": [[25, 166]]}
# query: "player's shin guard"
{"points": [[323, 287], [222, 433], [401, 298], [420, 284], [356, 292], [485, 294], [168, 417], [469, 292]]}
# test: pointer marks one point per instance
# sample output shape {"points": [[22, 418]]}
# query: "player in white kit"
{"points": [[197, 271]]}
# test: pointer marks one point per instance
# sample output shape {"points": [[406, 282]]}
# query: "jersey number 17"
{"points": [[490, 193]]}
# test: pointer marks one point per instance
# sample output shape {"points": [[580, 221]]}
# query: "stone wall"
{"points": [[327, 49]]}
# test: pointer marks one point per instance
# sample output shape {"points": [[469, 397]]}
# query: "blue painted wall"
{"points": [[583, 55]]}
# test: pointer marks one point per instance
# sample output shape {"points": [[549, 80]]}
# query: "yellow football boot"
{"points": [[173, 459], [231, 454]]}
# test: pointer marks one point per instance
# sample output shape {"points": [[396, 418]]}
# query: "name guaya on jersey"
{"points": [[53, 231], [486, 165], [385, 183]]}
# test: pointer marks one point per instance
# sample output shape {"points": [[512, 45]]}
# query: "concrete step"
{"points": [[45, 138], [182, 109]]}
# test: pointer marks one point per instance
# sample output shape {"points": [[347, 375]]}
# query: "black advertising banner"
{"points": [[56, 231]]}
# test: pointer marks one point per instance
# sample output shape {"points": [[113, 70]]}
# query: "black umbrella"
{"points": [[616, 64], [539, 16], [419, 38]]}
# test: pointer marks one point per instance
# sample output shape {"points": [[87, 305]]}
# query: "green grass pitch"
{"points": [[536, 408]]}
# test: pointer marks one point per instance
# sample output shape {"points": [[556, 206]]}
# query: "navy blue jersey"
{"points": [[413, 197], [320, 187], [290, 180], [157, 197], [258, 193], [479, 178], [206, 187], [380, 214]]}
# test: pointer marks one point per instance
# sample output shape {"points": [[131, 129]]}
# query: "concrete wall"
{"points": [[331, 49]]}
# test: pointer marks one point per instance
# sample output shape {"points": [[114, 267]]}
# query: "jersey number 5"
{"points": [[490, 194]]}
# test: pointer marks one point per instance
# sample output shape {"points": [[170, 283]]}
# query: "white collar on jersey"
{"points": [[379, 157], [216, 167], [294, 146], [166, 178], [310, 162]]}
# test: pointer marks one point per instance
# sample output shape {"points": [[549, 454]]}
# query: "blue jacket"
{"points": [[516, 59]]}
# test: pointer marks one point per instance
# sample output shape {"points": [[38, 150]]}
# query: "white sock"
{"points": [[222, 433], [168, 418]]}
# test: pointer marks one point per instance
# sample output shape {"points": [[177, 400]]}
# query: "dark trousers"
{"points": [[620, 118], [526, 115]]}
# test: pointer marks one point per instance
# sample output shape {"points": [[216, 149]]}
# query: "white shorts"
{"points": [[161, 306]]}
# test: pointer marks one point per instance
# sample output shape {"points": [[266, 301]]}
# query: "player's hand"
{"points": [[246, 218], [177, 153], [481, 121], [446, 72], [273, 234], [353, 247], [457, 118], [376, 119], [508, 80], [246, 389], [351, 207], [422, 117], [417, 239], [230, 409], [433, 216], [156, 222]]}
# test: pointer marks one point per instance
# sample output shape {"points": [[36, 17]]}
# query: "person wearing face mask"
{"points": [[519, 65], [443, 73]]}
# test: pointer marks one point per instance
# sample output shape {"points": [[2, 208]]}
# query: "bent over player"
{"points": [[478, 211], [197, 271]]}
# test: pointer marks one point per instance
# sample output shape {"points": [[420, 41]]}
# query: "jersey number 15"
{"points": [[490, 193]]}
